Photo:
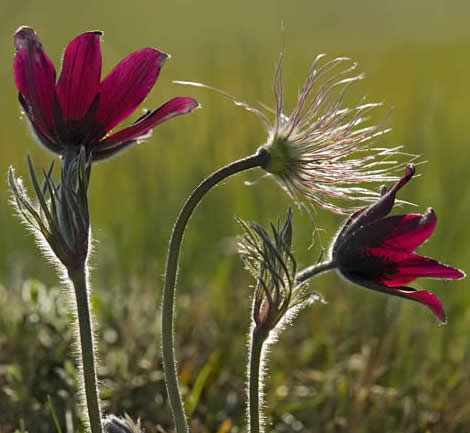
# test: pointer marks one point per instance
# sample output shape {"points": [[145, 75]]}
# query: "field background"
{"points": [[363, 363]]}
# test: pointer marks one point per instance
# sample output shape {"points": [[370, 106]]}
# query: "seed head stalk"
{"points": [[259, 159]]}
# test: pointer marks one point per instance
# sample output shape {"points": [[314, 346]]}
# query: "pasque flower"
{"points": [[322, 150], [376, 251], [80, 110]]}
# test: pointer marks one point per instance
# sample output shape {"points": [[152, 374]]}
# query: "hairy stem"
{"points": [[255, 383], [79, 279], [313, 271], [169, 365]]}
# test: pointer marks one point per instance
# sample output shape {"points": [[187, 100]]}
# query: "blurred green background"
{"points": [[363, 362]]}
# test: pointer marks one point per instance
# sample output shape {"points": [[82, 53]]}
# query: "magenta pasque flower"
{"points": [[80, 110], [376, 251]]}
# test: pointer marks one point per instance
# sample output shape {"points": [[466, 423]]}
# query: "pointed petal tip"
{"points": [[192, 105], [409, 173], [160, 56], [24, 36], [442, 319], [459, 275], [429, 300], [430, 213], [410, 170], [98, 33], [163, 57], [93, 33]]}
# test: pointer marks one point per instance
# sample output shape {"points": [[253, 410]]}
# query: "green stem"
{"points": [[255, 385], [314, 270], [255, 365], [79, 279], [169, 365]]}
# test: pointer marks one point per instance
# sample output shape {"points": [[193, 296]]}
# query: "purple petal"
{"points": [[40, 137], [412, 231], [375, 211], [419, 266], [345, 229], [170, 109], [423, 297], [384, 204], [127, 85], [396, 237], [426, 298], [80, 77], [34, 77]]}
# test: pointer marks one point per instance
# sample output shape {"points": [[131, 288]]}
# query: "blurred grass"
{"points": [[361, 364]]}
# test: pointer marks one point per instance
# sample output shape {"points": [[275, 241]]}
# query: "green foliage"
{"points": [[361, 364]]}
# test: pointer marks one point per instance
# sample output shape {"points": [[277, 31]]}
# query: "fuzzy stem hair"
{"points": [[87, 362], [258, 336]]}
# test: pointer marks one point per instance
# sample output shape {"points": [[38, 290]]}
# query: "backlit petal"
{"points": [[34, 77], [37, 133], [127, 85], [426, 298], [384, 204], [418, 266], [396, 237], [80, 77], [423, 297], [170, 109]]}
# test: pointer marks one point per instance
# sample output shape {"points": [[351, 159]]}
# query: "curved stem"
{"points": [[255, 385], [79, 279], [257, 160], [314, 270]]}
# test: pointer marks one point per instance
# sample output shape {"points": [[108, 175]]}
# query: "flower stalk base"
{"points": [[80, 283], [255, 383]]}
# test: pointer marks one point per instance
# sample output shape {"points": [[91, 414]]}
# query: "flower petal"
{"points": [[37, 133], [396, 237], [80, 77], [142, 129], [418, 266], [127, 85], [423, 297], [170, 109], [345, 229], [384, 204], [426, 298], [34, 77]]}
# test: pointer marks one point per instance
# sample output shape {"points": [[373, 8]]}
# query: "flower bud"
{"points": [[114, 424], [270, 260], [61, 218]]}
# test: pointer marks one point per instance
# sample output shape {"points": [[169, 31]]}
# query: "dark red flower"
{"points": [[376, 251], [79, 110]]}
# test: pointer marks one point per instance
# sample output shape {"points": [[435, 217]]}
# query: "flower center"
{"points": [[281, 160]]}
